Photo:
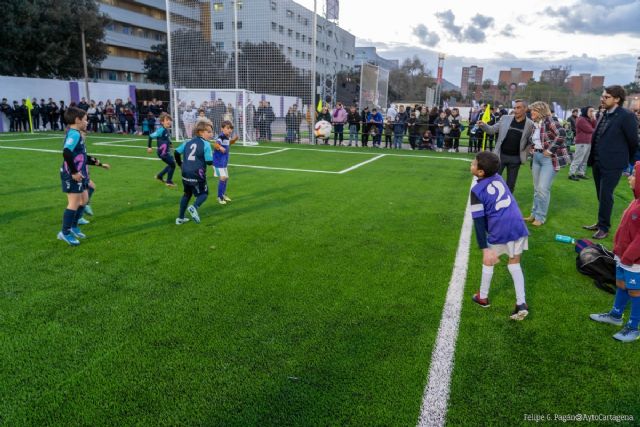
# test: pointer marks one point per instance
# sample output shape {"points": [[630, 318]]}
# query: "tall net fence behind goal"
{"points": [[278, 53], [374, 86]]}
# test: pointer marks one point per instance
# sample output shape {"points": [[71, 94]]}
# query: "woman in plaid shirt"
{"points": [[547, 146]]}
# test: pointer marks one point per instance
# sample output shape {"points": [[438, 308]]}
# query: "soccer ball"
{"points": [[322, 129]]}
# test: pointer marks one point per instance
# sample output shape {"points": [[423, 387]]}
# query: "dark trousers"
{"points": [[365, 135], [36, 121], [512, 164], [606, 182], [338, 133]]}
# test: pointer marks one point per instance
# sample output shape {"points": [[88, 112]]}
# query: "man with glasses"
{"points": [[613, 145]]}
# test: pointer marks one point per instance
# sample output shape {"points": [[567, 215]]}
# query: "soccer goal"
{"points": [[217, 105]]}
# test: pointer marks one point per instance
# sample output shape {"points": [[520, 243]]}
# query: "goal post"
{"points": [[217, 105]]}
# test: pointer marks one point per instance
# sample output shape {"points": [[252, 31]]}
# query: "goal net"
{"points": [[374, 86], [217, 105], [275, 53]]}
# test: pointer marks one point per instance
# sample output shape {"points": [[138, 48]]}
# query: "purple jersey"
{"points": [[491, 199]]}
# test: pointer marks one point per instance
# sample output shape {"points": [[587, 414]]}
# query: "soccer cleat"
{"points": [[482, 302], [226, 199], [88, 210], [69, 238], [222, 201], [83, 221], [574, 178], [606, 318], [194, 214], [77, 233], [170, 184], [159, 178], [180, 221], [627, 334], [521, 311]]}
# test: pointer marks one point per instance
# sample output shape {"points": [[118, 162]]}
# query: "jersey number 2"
{"points": [[192, 154], [500, 201]]}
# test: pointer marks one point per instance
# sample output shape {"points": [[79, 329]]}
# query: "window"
{"points": [[297, 36], [289, 50], [219, 45], [289, 14], [126, 30], [304, 38], [111, 26], [113, 75], [240, 24], [218, 25], [330, 33], [274, 26], [290, 32], [274, 6], [280, 29], [218, 7], [297, 53], [306, 21]]}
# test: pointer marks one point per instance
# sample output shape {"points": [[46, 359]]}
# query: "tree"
{"points": [[410, 81], [156, 64], [45, 37]]}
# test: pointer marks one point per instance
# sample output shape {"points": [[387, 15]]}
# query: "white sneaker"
{"points": [[180, 221], [82, 221], [226, 198], [194, 214], [222, 201]]}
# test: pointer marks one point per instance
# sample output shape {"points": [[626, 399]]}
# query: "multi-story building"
{"points": [[555, 76], [137, 25], [515, 75], [584, 82], [470, 76], [369, 55]]}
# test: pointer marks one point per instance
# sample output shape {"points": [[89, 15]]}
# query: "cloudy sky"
{"points": [[598, 37]]}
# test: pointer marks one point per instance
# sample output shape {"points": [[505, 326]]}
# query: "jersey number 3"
{"points": [[501, 201], [192, 154]]}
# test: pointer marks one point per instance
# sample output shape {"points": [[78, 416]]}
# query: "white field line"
{"points": [[374, 152], [157, 159], [114, 144], [361, 164], [267, 153], [436, 393], [31, 139]]}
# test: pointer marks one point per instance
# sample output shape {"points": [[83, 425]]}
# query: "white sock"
{"points": [[518, 282], [485, 283]]}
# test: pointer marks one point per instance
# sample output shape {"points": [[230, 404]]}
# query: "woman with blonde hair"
{"points": [[547, 146]]}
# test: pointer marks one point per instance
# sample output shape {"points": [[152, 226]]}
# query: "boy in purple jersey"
{"points": [[499, 227], [221, 160], [164, 149]]}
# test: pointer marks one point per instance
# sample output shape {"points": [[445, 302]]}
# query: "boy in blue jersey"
{"points": [[164, 149], [74, 175], [197, 155], [221, 160], [499, 227]]}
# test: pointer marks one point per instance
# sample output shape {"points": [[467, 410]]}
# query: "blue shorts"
{"points": [[69, 185], [195, 187], [631, 279]]}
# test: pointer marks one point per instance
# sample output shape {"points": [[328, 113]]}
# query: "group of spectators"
{"points": [[108, 117]]}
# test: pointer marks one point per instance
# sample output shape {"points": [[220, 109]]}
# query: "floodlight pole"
{"points": [[235, 32], [312, 104], [172, 97], [84, 63]]}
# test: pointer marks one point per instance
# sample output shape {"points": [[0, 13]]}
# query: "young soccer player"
{"points": [[197, 155], [499, 227], [626, 248], [221, 160], [164, 149], [92, 161], [74, 175]]}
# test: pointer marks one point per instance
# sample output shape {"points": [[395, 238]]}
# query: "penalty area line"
{"points": [[379, 156], [433, 411]]}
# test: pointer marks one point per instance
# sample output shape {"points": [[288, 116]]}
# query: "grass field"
{"points": [[314, 298]]}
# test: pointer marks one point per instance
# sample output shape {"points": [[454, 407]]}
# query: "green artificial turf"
{"points": [[311, 299]]}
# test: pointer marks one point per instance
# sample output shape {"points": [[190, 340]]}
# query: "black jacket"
{"points": [[618, 143]]}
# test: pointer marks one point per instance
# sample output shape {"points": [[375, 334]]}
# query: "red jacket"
{"points": [[626, 243], [584, 130]]}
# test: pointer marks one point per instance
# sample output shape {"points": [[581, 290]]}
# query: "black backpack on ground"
{"points": [[597, 262]]}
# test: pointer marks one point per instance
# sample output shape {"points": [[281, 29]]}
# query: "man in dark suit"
{"points": [[613, 145]]}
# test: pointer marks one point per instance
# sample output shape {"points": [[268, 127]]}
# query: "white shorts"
{"points": [[513, 248], [220, 172]]}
